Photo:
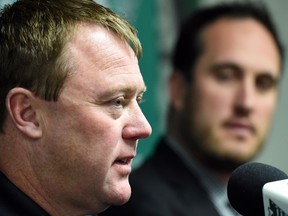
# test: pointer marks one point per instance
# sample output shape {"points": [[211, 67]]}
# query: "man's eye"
{"points": [[119, 102], [264, 83], [140, 99], [224, 75]]}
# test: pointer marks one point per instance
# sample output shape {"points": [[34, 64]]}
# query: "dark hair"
{"points": [[33, 35], [189, 45]]}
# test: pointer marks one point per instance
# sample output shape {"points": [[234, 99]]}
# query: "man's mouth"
{"points": [[240, 128], [123, 165], [124, 161]]}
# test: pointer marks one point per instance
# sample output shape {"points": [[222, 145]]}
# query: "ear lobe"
{"points": [[177, 87], [19, 102]]}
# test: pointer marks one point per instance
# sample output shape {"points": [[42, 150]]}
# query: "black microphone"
{"points": [[250, 193]]}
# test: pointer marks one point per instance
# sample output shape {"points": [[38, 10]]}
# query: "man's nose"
{"points": [[138, 126], [245, 98]]}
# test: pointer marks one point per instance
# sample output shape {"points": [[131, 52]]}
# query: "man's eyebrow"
{"points": [[226, 65], [126, 90], [131, 89], [144, 89]]}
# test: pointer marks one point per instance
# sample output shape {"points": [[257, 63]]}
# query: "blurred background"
{"points": [[157, 22]]}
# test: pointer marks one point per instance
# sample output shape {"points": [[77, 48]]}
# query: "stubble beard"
{"points": [[200, 144]]}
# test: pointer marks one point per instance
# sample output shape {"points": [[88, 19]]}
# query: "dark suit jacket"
{"points": [[14, 202], [163, 186]]}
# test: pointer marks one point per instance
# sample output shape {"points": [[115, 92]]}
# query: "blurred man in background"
{"points": [[223, 90]]}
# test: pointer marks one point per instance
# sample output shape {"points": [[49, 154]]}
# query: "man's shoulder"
{"points": [[164, 169], [14, 202]]}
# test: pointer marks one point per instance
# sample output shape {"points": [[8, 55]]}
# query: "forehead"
{"points": [[243, 41], [98, 43], [99, 59]]}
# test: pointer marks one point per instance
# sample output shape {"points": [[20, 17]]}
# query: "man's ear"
{"points": [[178, 88], [20, 106]]}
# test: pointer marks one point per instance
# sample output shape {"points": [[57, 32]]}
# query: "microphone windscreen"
{"points": [[245, 187]]}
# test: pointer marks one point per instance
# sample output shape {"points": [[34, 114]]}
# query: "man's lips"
{"points": [[123, 165], [124, 160], [240, 127]]}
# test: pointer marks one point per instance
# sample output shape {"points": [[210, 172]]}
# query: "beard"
{"points": [[221, 163], [205, 146]]}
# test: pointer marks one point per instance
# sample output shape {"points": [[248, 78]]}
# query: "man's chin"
{"points": [[121, 196], [226, 164], [122, 201]]}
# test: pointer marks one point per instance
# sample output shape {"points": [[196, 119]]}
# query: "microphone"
{"points": [[256, 189]]}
